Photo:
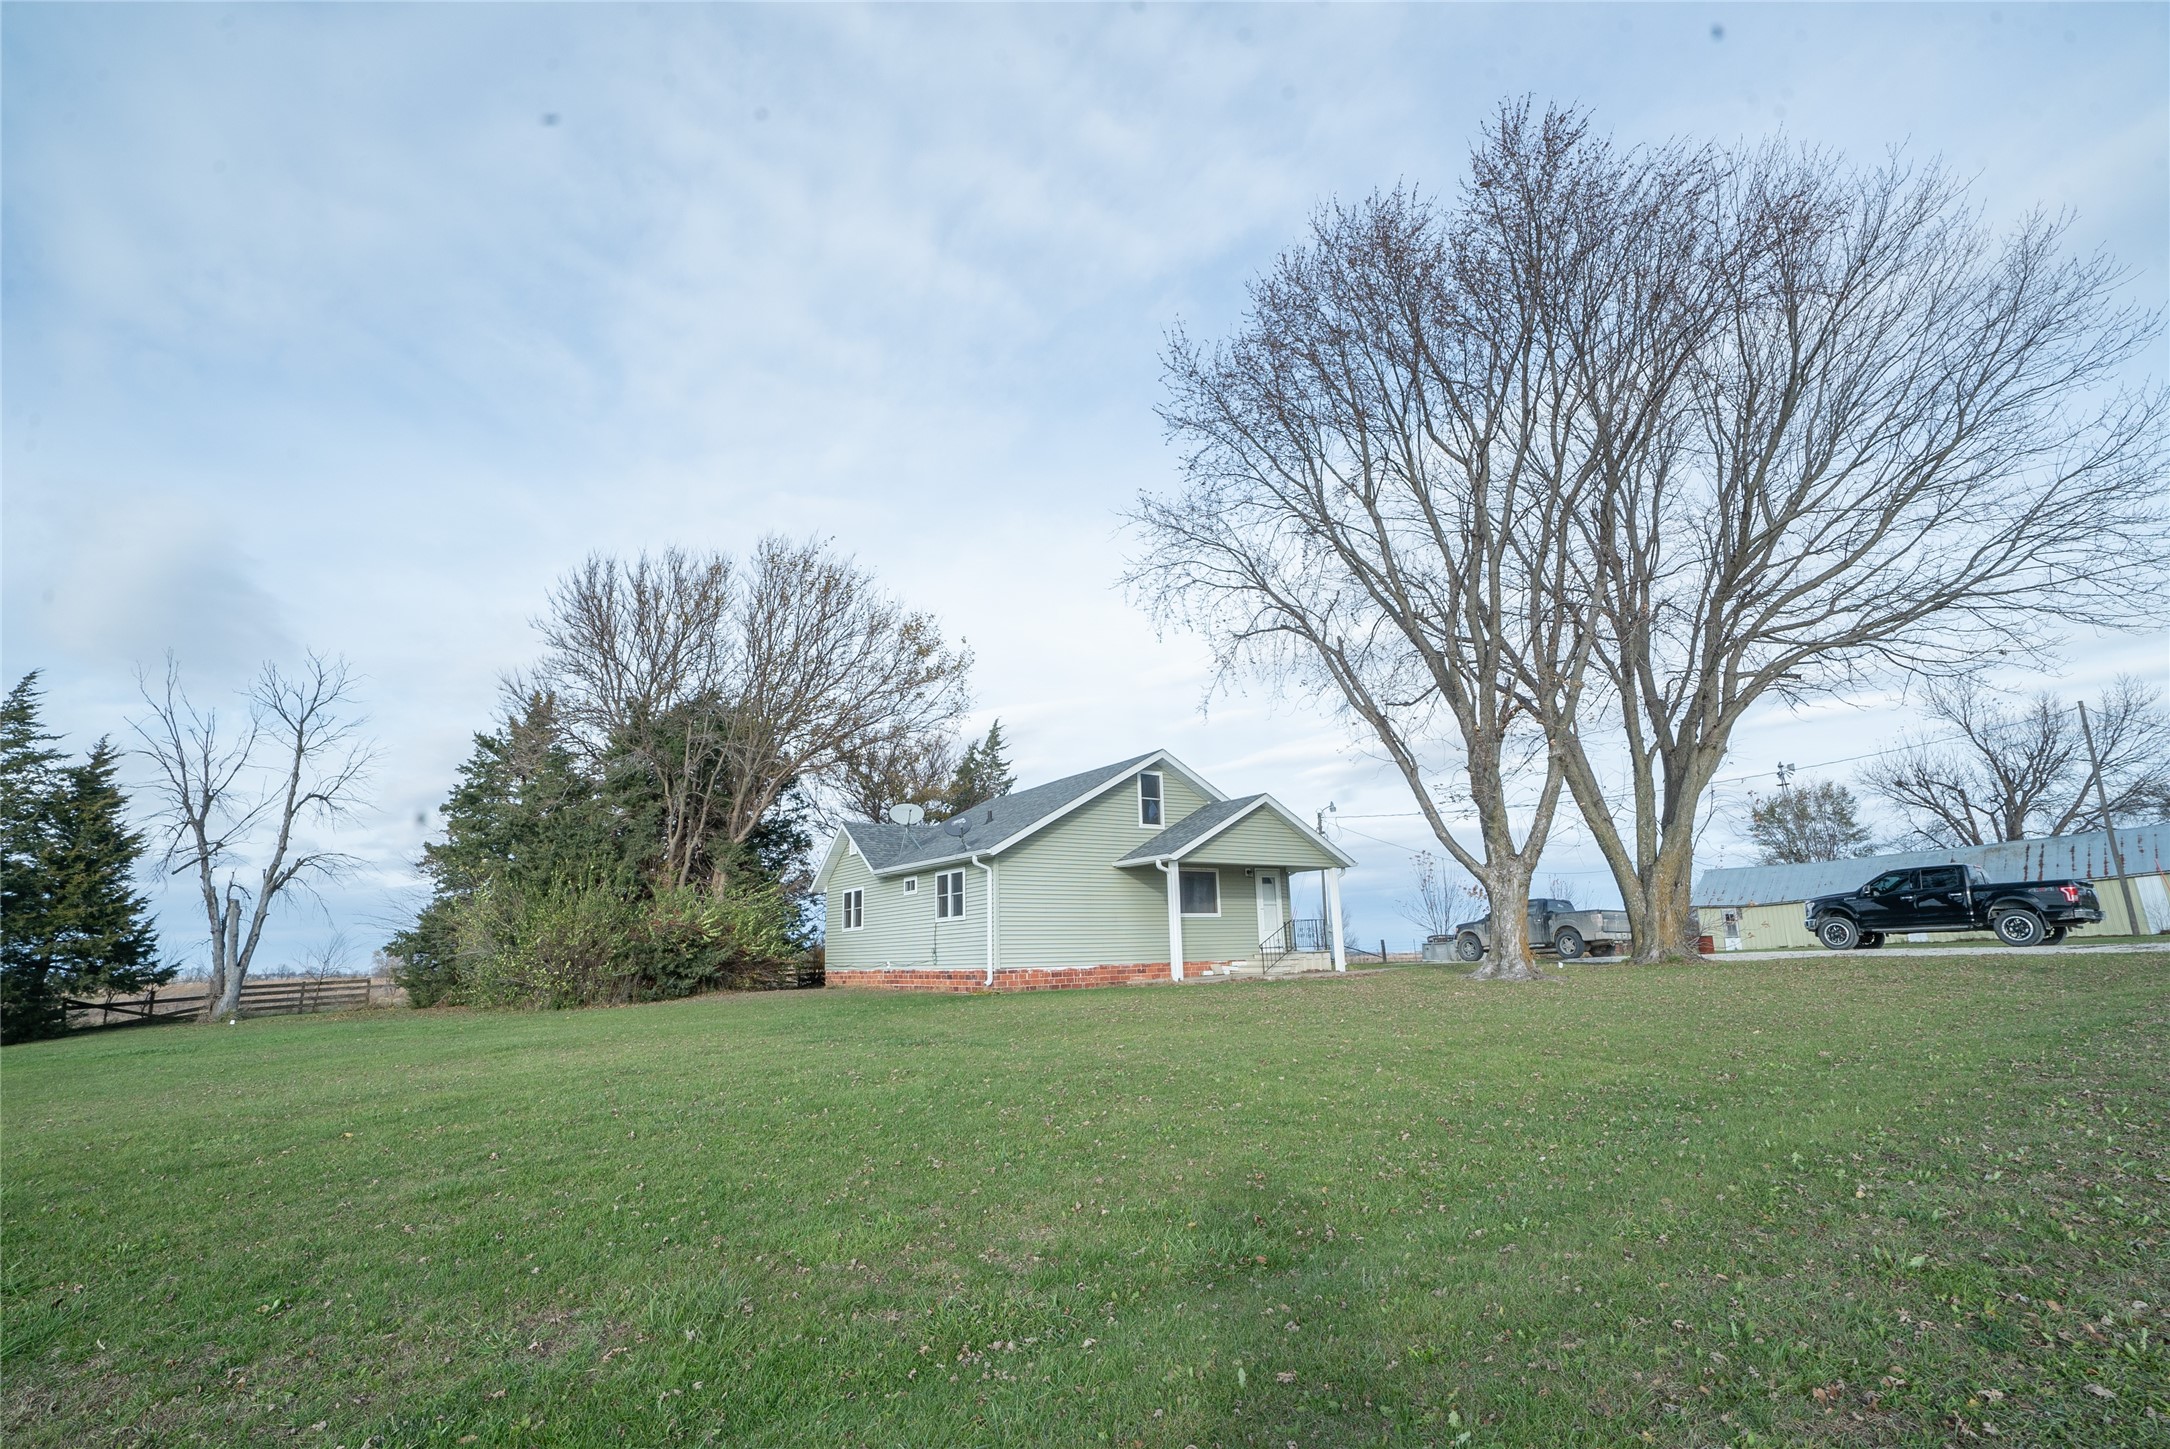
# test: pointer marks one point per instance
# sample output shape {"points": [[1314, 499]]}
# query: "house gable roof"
{"points": [[1199, 827], [889, 849]]}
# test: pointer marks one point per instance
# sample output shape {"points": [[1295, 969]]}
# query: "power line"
{"points": [[1720, 780]]}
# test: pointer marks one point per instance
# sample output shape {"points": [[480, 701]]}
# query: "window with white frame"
{"points": [[911, 885], [1201, 892], [1149, 798], [854, 910], [949, 894]]}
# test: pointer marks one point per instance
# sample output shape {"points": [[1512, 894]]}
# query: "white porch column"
{"points": [[1338, 951], [1175, 918]]}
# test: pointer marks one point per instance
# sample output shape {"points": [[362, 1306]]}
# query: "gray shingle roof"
{"points": [[1189, 828], [2082, 857], [890, 847]]}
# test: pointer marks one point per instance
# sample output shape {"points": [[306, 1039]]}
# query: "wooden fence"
{"points": [[272, 997]]}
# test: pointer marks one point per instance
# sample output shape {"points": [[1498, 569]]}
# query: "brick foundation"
{"points": [[1012, 978]]}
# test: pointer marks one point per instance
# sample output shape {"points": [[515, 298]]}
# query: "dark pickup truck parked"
{"points": [[1953, 898]]}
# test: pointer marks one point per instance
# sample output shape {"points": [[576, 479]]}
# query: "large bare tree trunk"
{"points": [[1508, 958], [230, 969]]}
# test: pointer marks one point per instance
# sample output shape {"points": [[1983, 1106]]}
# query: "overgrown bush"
{"points": [[551, 889], [583, 945]]}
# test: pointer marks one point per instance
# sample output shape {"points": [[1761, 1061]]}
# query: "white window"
{"points": [[854, 909], [911, 885], [1201, 892], [1149, 798], [949, 894]]}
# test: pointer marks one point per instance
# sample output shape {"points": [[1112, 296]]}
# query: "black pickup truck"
{"points": [[1953, 898]]}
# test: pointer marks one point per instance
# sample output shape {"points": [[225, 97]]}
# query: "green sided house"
{"points": [[1136, 871]]}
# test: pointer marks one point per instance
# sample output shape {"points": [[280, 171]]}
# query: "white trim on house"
{"points": [[949, 895], [851, 910], [911, 885], [1263, 802], [1210, 870]]}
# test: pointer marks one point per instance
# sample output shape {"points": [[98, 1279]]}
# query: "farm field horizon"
{"points": [[1814, 1200]]}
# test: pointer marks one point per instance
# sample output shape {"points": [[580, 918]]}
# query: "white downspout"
{"points": [[989, 907], [1336, 951], [1170, 869]]}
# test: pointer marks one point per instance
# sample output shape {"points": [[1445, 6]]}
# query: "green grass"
{"points": [[1747, 1203]]}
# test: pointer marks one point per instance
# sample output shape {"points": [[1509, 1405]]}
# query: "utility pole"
{"points": [[1325, 913], [2109, 828]]}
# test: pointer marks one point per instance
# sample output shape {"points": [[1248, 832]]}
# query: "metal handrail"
{"points": [[1302, 934]]}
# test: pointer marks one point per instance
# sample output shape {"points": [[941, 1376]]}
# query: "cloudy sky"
{"points": [[352, 327]]}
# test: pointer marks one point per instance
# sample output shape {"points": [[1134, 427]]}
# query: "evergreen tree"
{"points": [[983, 773], [71, 921], [554, 886]]}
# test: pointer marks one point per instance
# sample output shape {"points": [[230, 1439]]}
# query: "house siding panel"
{"points": [[1265, 838], [900, 929], [1065, 904]]}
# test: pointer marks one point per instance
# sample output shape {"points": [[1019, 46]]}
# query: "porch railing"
{"points": [[1305, 934]]}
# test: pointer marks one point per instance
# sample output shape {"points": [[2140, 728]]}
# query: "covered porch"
{"points": [[1238, 875]]}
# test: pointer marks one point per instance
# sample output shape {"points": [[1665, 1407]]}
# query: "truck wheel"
{"points": [[1870, 940], [2020, 928], [1838, 933], [1468, 947], [2056, 934], [1568, 943]]}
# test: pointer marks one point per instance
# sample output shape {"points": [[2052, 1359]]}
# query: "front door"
{"points": [[1269, 907]]}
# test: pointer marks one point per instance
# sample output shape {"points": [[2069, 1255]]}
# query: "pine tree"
{"points": [[71, 921], [29, 788], [983, 773]]}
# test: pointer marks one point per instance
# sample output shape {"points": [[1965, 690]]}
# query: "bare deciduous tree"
{"points": [[1377, 487], [1437, 899], [1884, 442], [898, 771], [1700, 427], [303, 739], [2004, 771], [729, 683]]}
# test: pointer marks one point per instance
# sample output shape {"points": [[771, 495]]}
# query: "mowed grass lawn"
{"points": [[1838, 1199]]}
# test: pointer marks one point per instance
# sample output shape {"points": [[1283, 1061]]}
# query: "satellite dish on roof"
{"points": [[960, 825], [907, 813]]}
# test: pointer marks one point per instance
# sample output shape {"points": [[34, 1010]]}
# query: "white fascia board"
{"points": [[1262, 803], [1158, 759], [840, 844]]}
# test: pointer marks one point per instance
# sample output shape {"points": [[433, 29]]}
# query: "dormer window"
{"points": [[1149, 798]]}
